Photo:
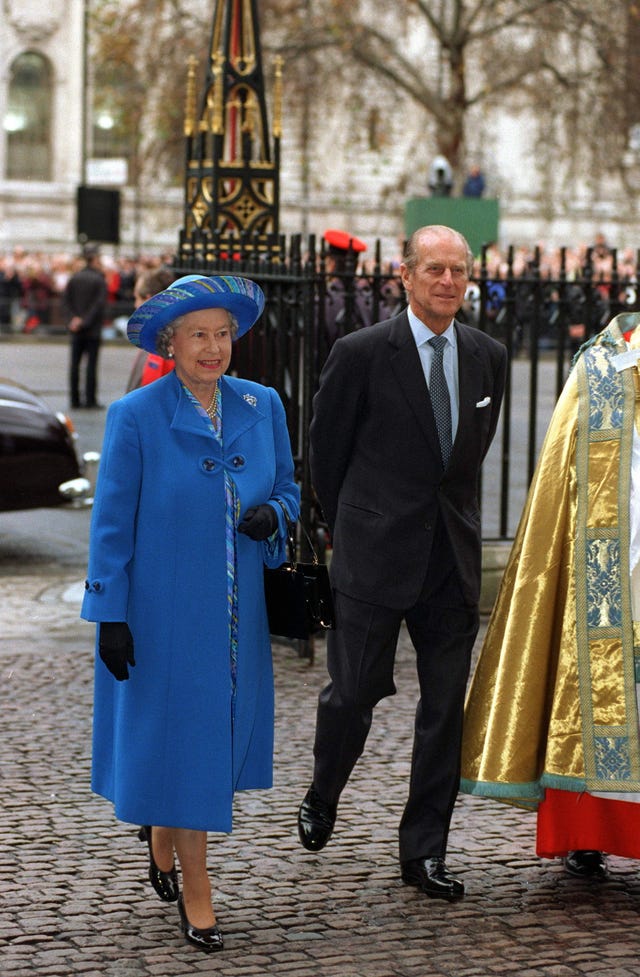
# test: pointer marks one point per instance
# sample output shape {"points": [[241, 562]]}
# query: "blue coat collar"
{"points": [[239, 412]]}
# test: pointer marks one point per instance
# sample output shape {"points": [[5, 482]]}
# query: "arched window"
{"points": [[27, 121]]}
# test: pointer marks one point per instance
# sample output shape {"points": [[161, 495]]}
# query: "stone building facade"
{"points": [[348, 177]]}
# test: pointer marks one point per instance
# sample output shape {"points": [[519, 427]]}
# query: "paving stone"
{"points": [[75, 900]]}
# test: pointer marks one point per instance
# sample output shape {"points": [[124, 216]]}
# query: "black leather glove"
{"points": [[115, 646], [260, 522]]}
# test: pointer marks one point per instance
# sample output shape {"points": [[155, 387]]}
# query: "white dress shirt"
{"points": [[422, 334]]}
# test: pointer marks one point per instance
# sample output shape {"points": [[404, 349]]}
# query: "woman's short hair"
{"points": [[166, 334]]}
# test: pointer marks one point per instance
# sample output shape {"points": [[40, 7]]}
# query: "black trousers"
{"points": [[360, 660], [89, 346]]}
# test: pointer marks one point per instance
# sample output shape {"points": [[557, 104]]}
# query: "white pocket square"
{"points": [[484, 403]]}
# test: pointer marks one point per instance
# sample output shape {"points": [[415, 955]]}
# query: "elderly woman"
{"points": [[195, 480]]}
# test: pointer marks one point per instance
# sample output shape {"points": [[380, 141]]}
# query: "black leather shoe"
{"points": [[209, 939], [316, 819], [165, 883], [430, 875], [586, 864]]}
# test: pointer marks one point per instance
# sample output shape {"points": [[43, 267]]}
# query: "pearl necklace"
{"points": [[212, 409]]}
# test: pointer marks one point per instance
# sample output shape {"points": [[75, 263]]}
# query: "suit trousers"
{"points": [[360, 660], [84, 344]]}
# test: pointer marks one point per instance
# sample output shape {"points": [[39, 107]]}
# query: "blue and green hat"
{"points": [[242, 297]]}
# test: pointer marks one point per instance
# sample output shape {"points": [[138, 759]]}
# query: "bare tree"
{"points": [[450, 56], [139, 53], [567, 63]]}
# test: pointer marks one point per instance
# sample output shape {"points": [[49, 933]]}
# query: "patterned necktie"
{"points": [[440, 401]]}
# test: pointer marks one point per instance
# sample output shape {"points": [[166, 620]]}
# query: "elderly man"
{"points": [[403, 418]]}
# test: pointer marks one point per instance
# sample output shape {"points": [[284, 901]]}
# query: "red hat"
{"points": [[341, 241]]}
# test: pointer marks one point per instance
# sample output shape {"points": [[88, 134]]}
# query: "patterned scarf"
{"points": [[231, 521]]}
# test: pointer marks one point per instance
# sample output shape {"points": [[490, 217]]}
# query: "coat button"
{"points": [[208, 464], [237, 461]]}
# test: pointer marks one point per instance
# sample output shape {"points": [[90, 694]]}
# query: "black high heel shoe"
{"points": [[209, 939], [165, 883]]}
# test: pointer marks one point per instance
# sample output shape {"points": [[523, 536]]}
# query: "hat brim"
{"points": [[240, 296]]}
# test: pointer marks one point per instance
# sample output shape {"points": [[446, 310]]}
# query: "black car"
{"points": [[39, 466]]}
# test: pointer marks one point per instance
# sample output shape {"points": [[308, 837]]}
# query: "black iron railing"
{"points": [[542, 308]]}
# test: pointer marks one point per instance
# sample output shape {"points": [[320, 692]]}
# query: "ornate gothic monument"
{"points": [[232, 165]]}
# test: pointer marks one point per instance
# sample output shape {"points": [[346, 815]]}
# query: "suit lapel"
{"points": [[238, 415], [470, 380], [406, 365], [405, 362], [186, 417]]}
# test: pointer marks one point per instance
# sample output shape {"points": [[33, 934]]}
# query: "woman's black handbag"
{"points": [[298, 595]]}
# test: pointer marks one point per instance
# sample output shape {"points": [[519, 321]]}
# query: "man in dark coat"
{"points": [[400, 494], [85, 300], [347, 300], [10, 291]]}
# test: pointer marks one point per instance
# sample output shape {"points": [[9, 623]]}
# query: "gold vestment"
{"points": [[552, 702]]}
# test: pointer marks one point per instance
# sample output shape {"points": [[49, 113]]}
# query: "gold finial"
{"points": [[190, 101], [277, 97], [217, 122], [250, 113]]}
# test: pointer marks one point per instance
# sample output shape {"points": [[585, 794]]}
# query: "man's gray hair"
{"points": [[411, 253]]}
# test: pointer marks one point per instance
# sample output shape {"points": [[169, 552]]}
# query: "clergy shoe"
{"points": [[316, 819], [430, 875], [165, 883], [209, 939], [586, 864]]}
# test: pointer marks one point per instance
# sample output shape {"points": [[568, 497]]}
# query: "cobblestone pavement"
{"points": [[74, 898]]}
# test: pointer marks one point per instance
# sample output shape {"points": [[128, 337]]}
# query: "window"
{"points": [[114, 112], [27, 121]]}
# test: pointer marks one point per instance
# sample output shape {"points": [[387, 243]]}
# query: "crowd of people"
{"points": [[32, 282], [513, 294], [32, 285]]}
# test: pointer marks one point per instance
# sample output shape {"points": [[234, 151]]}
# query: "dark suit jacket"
{"points": [[85, 295], [376, 463]]}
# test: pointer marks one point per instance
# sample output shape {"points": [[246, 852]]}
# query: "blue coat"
{"points": [[164, 750]]}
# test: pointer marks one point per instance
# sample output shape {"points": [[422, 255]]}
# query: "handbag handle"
{"points": [[291, 539]]}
